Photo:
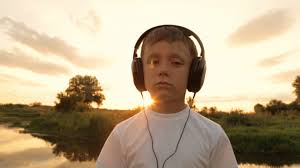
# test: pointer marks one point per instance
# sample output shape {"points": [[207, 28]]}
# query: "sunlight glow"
{"points": [[148, 100]]}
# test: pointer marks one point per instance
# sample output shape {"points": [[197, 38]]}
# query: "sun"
{"points": [[148, 100]]}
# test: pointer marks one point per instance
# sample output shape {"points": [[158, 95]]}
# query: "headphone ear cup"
{"points": [[196, 74], [189, 85], [138, 74]]}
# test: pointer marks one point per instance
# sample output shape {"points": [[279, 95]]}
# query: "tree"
{"points": [[237, 111], [275, 106], [82, 91], [212, 109], [204, 109], [296, 85], [191, 103], [66, 102], [258, 108]]}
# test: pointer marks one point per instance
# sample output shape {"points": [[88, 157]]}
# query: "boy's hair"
{"points": [[169, 34]]}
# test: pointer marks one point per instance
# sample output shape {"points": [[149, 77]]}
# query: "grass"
{"points": [[19, 115], [261, 133]]}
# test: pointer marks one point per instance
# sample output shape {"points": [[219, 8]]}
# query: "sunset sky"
{"points": [[252, 47]]}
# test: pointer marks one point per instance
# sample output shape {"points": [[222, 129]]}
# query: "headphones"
{"points": [[197, 68]]}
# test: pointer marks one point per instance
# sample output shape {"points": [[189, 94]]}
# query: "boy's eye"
{"points": [[177, 63], [154, 61]]}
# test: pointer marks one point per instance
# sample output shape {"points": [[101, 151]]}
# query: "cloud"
{"points": [[218, 99], [18, 59], [273, 23], [21, 81], [45, 44], [285, 77], [251, 98], [90, 22], [269, 62]]}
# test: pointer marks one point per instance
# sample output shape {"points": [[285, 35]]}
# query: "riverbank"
{"points": [[248, 133], [261, 134]]}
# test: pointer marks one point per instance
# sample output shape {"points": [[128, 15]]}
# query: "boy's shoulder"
{"points": [[132, 123], [205, 125], [205, 122]]}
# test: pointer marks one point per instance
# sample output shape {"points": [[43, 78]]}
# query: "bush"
{"points": [[236, 118], [275, 106], [82, 107], [35, 104], [258, 108], [262, 143]]}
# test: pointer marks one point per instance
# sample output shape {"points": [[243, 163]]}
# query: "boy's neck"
{"points": [[168, 107]]}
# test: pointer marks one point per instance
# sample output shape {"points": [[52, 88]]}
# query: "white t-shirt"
{"points": [[204, 143]]}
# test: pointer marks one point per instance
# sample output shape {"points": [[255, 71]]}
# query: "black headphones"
{"points": [[197, 68]]}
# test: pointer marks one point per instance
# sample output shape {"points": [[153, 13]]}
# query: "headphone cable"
{"points": [[152, 137], [149, 131]]}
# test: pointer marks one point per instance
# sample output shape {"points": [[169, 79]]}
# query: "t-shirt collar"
{"points": [[168, 115]]}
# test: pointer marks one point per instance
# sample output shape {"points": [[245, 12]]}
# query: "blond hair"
{"points": [[169, 34]]}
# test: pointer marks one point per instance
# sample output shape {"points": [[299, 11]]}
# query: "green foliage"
{"points": [[35, 104], [66, 102], [264, 142], [72, 125], [265, 134], [204, 109], [278, 107], [296, 85], [294, 106], [82, 91], [191, 103], [212, 109], [18, 115], [275, 106], [237, 118]]}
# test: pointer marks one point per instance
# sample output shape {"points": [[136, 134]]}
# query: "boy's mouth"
{"points": [[163, 84]]}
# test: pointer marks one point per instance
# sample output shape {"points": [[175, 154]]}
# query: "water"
{"points": [[25, 150]]}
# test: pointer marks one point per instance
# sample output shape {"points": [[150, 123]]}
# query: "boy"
{"points": [[167, 134]]}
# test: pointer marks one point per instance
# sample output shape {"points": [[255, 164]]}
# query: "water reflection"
{"points": [[274, 160], [266, 166], [73, 149], [23, 150], [11, 141]]}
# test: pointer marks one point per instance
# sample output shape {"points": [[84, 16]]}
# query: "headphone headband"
{"points": [[184, 30]]}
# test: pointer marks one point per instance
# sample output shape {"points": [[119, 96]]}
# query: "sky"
{"points": [[252, 48]]}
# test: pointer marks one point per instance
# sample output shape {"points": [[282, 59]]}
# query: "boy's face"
{"points": [[166, 69]]}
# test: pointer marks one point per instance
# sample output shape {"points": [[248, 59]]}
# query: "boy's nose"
{"points": [[163, 73], [163, 69]]}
